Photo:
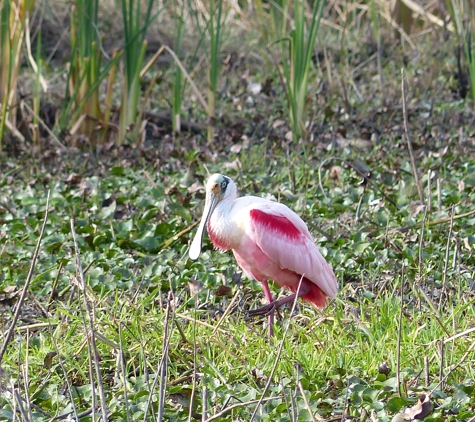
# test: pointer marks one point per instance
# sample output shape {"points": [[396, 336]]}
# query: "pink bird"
{"points": [[269, 242]]}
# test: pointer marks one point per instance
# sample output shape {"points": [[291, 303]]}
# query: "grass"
{"points": [[332, 358], [155, 336]]}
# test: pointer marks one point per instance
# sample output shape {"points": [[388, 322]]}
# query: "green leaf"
{"points": [[106, 212], [149, 243], [395, 404], [117, 171], [181, 211]]}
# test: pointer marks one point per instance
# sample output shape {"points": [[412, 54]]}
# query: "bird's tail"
{"points": [[315, 295]]}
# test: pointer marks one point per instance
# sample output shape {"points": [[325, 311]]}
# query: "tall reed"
{"points": [[215, 34], [273, 24], [178, 80], [81, 110], [135, 29], [296, 63], [13, 15], [462, 13]]}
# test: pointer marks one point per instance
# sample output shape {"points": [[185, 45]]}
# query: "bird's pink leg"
{"points": [[273, 305], [270, 299]]}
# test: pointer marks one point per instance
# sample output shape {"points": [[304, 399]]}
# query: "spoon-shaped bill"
{"points": [[210, 204]]}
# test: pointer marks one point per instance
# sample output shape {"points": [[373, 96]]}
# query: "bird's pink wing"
{"points": [[284, 238]]}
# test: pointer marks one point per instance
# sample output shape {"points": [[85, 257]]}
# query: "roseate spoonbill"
{"points": [[269, 242]]}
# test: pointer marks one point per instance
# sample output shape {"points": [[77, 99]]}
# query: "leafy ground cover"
{"points": [[118, 321]]}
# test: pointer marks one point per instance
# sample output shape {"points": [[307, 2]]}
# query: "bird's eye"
{"points": [[224, 184], [216, 186]]}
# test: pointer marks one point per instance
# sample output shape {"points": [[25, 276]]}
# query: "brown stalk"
{"points": [[204, 405], [453, 368], [54, 286], [195, 364], [9, 333], [426, 370], [65, 374], [226, 312], [399, 331], [92, 344], [305, 400], [421, 243], [26, 375], [357, 170], [237, 405], [442, 356], [439, 196], [163, 366], [447, 256], [416, 8], [408, 139]]}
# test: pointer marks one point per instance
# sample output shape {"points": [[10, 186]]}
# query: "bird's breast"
{"points": [[225, 227], [218, 238]]}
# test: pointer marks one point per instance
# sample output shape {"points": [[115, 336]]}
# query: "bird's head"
{"points": [[217, 185], [218, 188]]}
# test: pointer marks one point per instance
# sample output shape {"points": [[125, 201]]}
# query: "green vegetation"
{"points": [[117, 322]]}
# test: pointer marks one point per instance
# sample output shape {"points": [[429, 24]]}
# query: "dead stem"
{"points": [[163, 366], [399, 330], [447, 256], [237, 405], [92, 346], [19, 305], [408, 139]]}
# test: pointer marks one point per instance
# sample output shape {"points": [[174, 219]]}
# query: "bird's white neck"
{"points": [[220, 225]]}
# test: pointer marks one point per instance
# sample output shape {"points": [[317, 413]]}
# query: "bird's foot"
{"points": [[273, 306], [264, 310], [276, 304]]}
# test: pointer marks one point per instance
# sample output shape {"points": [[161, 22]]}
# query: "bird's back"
{"points": [[284, 239]]}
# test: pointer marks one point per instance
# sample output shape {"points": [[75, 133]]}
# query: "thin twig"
{"points": [[421, 243], [462, 360], [79, 416], [195, 89], [442, 361], [305, 400], [54, 286], [45, 126], [237, 405], [399, 331], [195, 363], [451, 218], [408, 139], [204, 404], [65, 374], [152, 182], [90, 316], [426, 370], [26, 375], [20, 405], [162, 367], [226, 312], [429, 192], [121, 355], [19, 305], [349, 164], [205, 324], [447, 256], [462, 334], [439, 195]]}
